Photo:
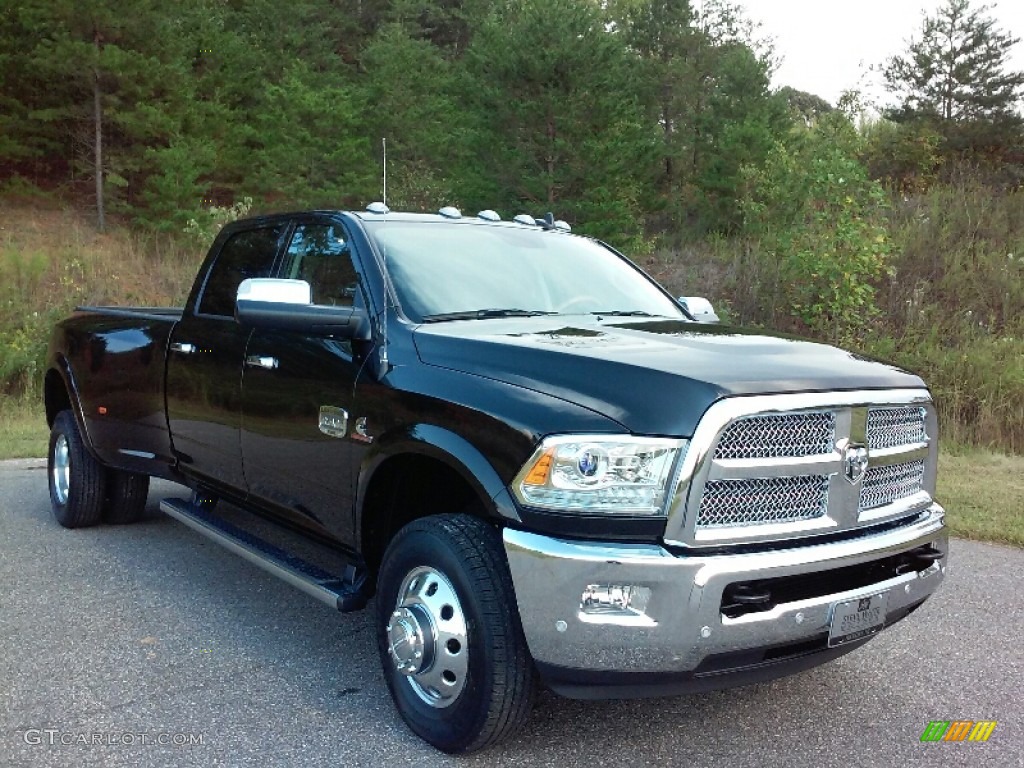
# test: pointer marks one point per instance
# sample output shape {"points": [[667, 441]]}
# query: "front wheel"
{"points": [[77, 480], [449, 636]]}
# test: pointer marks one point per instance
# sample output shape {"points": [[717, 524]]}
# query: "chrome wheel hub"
{"points": [[427, 637], [61, 469], [410, 640]]}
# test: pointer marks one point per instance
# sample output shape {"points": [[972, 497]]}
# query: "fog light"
{"points": [[625, 600]]}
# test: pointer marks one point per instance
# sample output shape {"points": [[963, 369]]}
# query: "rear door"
{"points": [[297, 393], [204, 366]]}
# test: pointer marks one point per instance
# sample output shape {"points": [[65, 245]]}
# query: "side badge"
{"points": [[333, 421], [359, 431]]}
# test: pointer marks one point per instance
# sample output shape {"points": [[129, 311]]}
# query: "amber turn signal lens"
{"points": [[538, 474]]}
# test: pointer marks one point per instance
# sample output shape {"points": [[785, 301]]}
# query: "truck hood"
{"points": [[653, 377]]}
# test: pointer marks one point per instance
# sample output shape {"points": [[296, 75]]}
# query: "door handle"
{"points": [[184, 348], [261, 361]]}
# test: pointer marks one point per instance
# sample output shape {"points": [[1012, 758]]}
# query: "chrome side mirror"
{"points": [[700, 308], [275, 290], [287, 305]]}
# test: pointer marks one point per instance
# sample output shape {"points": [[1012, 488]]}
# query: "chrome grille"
{"points": [[884, 485], [778, 435], [890, 427], [764, 468], [763, 500]]}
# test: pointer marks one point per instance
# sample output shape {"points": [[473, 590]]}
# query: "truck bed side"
{"points": [[113, 360]]}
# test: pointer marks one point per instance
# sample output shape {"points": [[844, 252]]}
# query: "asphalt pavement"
{"points": [[147, 645]]}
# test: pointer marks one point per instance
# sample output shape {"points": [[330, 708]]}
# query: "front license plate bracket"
{"points": [[857, 619]]}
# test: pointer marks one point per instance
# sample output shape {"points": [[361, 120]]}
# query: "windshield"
{"points": [[454, 271]]}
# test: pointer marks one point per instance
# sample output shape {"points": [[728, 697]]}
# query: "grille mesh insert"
{"points": [[778, 435], [890, 427], [884, 485], [763, 500]]}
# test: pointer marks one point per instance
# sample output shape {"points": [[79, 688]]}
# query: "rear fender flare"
{"points": [[62, 366]]}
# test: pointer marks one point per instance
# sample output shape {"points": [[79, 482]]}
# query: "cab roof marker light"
{"points": [[451, 212], [378, 207], [489, 215], [525, 218], [563, 226]]}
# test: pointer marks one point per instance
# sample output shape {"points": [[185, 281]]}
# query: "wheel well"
{"points": [[55, 395], [406, 488]]}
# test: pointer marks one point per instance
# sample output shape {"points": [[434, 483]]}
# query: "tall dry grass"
{"points": [[52, 261]]}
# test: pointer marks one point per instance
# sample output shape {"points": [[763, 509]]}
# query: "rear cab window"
{"points": [[247, 254]]}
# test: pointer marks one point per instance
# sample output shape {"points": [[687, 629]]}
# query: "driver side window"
{"points": [[320, 255]]}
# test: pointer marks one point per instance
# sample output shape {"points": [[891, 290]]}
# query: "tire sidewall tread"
{"points": [[87, 479], [501, 679], [127, 493]]}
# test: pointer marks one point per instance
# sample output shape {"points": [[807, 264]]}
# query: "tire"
{"points": [[127, 493], [77, 481], [473, 686]]}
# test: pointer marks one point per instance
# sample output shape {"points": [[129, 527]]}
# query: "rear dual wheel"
{"points": [[449, 636], [82, 491]]}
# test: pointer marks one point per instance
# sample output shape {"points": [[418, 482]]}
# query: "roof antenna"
{"points": [[384, 145]]}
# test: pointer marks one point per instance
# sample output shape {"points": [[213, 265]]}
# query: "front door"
{"points": [[297, 394]]}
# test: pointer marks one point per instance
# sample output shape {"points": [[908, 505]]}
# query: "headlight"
{"points": [[617, 474]]}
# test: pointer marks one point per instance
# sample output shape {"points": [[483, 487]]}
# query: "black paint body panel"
{"points": [[115, 359]]}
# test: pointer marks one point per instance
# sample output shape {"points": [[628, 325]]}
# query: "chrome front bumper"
{"points": [[683, 629]]}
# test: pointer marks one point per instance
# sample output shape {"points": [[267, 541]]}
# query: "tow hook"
{"points": [[746, 598], [919, 559]]}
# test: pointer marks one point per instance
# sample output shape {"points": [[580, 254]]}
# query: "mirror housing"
{"points": [[700, 308], [286, 305], [275, 290]]}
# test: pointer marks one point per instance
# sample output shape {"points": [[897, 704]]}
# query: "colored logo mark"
{"points": [[958, 730]]}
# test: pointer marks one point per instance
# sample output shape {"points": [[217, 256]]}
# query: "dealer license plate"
{"points": [[854, 620]]}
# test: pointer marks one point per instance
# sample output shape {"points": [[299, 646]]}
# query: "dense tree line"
{"points": [[614, 114], [630, 118]]}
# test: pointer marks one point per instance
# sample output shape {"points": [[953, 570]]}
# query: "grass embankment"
{"points": [[52, 261], [23, 433], [983, 493]]}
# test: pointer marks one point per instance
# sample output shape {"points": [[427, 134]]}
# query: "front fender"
{"points": [[443, 445]]}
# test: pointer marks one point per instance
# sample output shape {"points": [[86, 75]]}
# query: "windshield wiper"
{"points": [[482, 314], [625, 313]]}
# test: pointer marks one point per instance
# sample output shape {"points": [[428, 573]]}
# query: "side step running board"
{"points": [[345, 594]]}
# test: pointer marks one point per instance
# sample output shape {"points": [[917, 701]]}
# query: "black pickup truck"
{"points": [[541, 465]]}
